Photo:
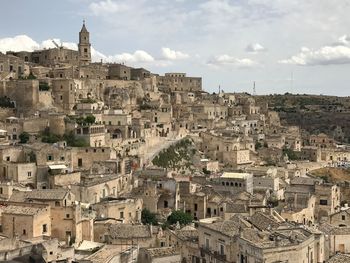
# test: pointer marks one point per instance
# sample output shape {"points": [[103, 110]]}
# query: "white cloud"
{"points": [[137, 57], [227, 60], [25, 43], [343, 40], [255, 48], [326, 55], [105, 7], [170, 54], [18, 43]]}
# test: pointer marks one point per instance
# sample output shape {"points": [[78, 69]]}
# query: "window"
{"points": [[343, 217], [49, 158], [222, 249], [62, 158], [57, 203], [67, 215], [24, 232], [80, 162], [323, 202], [195, 207], [44, 228], [121, 214], [207, 243], [29, 174]]}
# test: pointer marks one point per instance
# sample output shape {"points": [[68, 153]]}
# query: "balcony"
{"points": [[219, 257]]}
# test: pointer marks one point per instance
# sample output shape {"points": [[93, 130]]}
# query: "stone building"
{"points": [[115, 233], [11, 67], [228, 150], [84, 46], [340, 218], [234, 182], [125, 210], [158, 255], [321, 141], [94, 135], [178, 82], [26, 221]]}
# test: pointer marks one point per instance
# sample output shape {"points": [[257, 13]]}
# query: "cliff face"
{"points": [[313, 113]]}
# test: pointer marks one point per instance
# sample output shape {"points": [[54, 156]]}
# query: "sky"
{"points": [[296, 46]]}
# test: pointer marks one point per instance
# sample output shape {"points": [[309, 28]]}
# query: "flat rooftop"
{"points": [[235, 175]]}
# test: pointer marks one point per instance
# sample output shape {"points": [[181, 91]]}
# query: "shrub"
{"points": [[24, 137], [181, 217], [147, 217]]}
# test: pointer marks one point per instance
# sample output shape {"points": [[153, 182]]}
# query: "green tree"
{"points": [[181, 217], [290, 153], [90, 119], [147, 217], [24, 137], [49, 137], [258, 145], [73, 141], [43, 86]]}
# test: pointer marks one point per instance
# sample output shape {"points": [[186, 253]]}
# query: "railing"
{"points": [[215, 254]]}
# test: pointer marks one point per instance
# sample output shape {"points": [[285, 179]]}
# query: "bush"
{"points": [[290, 153], [73, 141], [181, 217], [87, 101], [258, 145], [43, 86], [90, 119], [24, 137], [148, 218], [5, 102], [205, 171]]}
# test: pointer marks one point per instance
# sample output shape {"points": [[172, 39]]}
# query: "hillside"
{"points": [[332, 175], [313, 113]]}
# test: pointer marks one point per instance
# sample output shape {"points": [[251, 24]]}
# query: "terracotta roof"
{"points": [[130, 231], [333, 230], [23, 210], [236, 208], [160, 252], [229, 227], [339, 258], [304, 181], [264, 221], [42, 194]]}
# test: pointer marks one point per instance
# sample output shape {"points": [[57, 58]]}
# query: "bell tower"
{"points": [[84, 46]]}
